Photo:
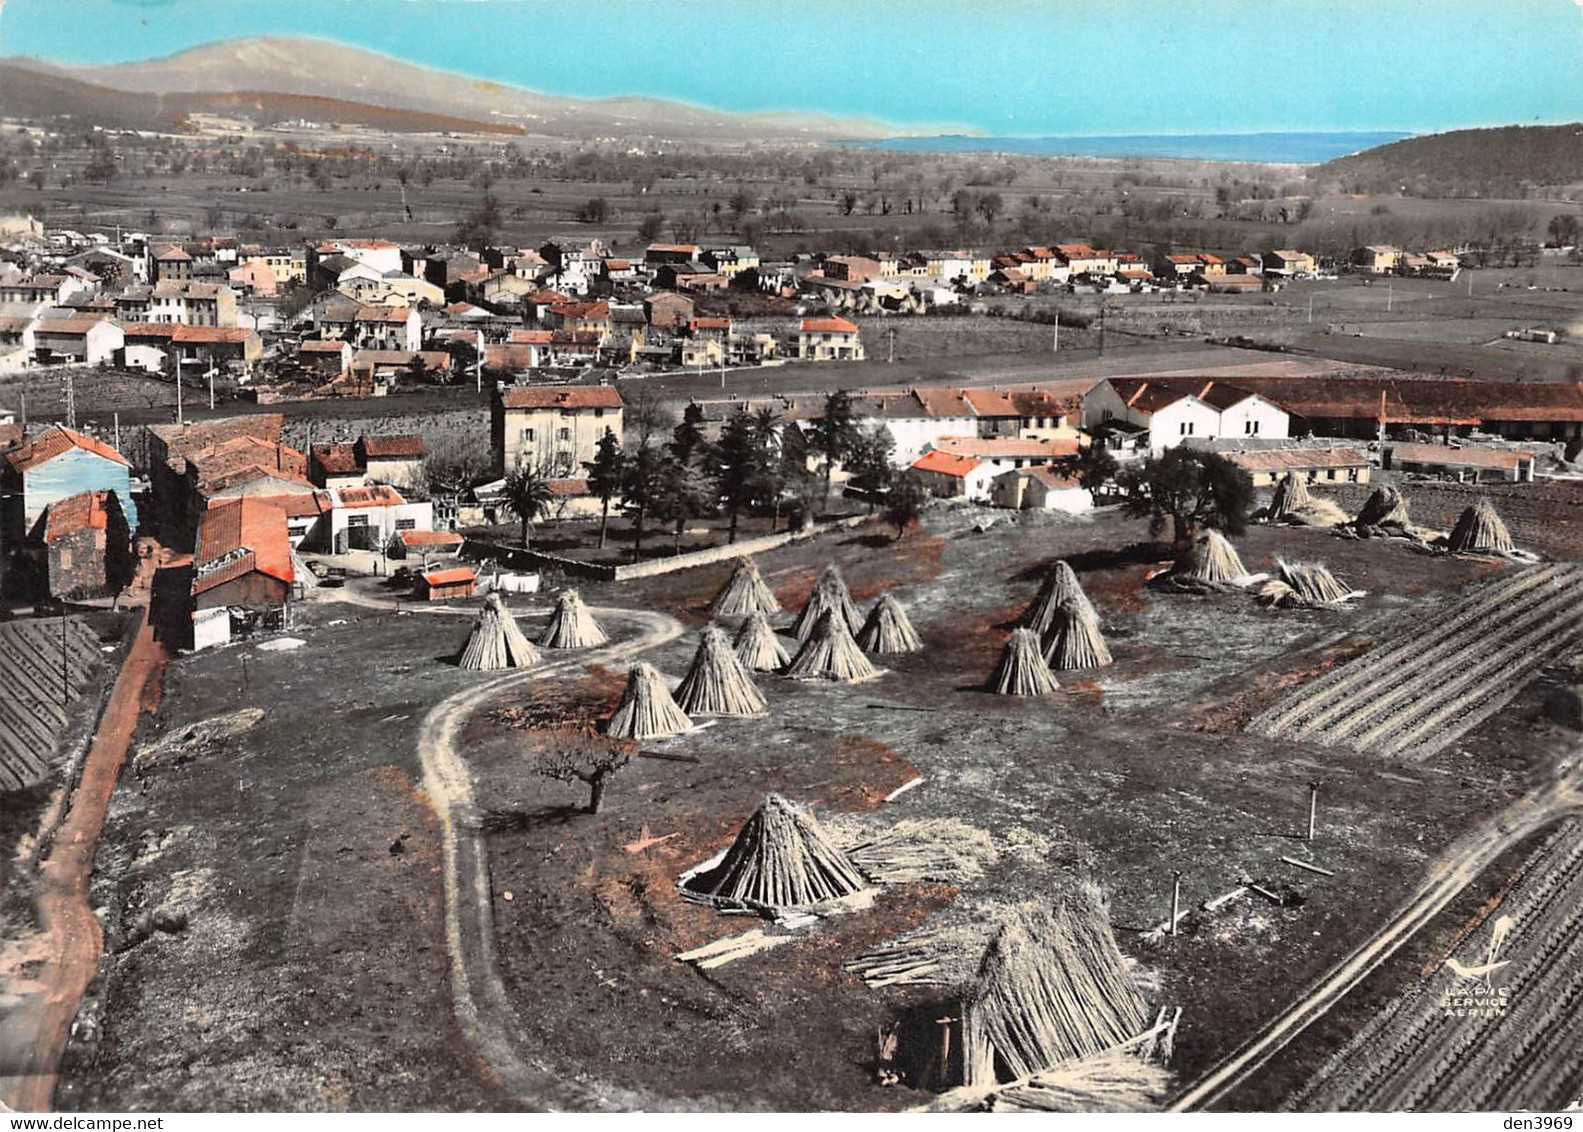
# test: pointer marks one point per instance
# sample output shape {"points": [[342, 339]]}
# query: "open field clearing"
{"points": [[1441, 679]]}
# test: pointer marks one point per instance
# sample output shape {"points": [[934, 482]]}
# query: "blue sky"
{"points": [[994, 66]]}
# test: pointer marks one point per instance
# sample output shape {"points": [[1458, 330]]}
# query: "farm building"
{"points": [[1316, 465], [555, 427], [1178, 410], [85, 547], [1043, 488], [829, 340], [948, 476], [329, 358], [424, 544], [159, 347], [1024, 413], [84, 339], [243, 577], [335, 465], [1007, 452], [396, 460], [1467, 463], [443, 585], [170, 445], [52, 467]]}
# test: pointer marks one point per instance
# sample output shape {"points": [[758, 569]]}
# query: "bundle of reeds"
{"points": [[1074, 639], [1052, 987], [497, 641], [571, 626], [646, 710], [887, 630], [1385, 507], [759, 647], [945, 850], [1312, 582], [781, 859], [1291, 496], [830, 653], [829, 595], [1480, 531], [1060, 587], [716, 683], [1211, 559], [1022, 670], [1114, 1081], [745, 592]]}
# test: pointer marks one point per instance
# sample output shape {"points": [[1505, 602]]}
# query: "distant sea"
{"points": [[1278, 149]]}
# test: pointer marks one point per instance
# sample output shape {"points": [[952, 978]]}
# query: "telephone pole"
{"points": [[71, 399]]}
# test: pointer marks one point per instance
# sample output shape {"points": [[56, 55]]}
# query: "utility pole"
{"points": [[1390, 293], [890, 333], [211, 388], [71, 399], [65, 668], [179, 418], [1055, 334], [116, 418], [1313, 806], [1176, 900], [1310, 308]]}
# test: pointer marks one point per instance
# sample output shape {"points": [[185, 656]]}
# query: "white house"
{"points": [[1174, 410], [948, 476], [1042, 488]]}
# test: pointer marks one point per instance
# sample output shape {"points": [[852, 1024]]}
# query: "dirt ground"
{"points": [[311, 973]]}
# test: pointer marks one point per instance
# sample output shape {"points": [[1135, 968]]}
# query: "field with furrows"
{"points": [[1511, 1038], [33, 709], [1440, 679]]}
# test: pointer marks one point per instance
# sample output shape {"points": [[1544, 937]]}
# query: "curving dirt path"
{"points": [[484, 1010], [1462, 864], [33, 1035]]}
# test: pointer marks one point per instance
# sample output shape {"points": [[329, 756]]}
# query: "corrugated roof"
{"points": [[1464, 457], [1297, 459]]}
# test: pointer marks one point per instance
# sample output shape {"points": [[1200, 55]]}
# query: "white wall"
{"points": [[1272, 421], [1186, 419]]}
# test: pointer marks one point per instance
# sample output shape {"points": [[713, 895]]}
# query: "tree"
{"points": [[834, 432], [596, 210], [1095, 467], [904, 504], [737, 460], [640, 489], [580, 756], [770, 474], [528, 496], [685, 492], [605, 475], [650, 227], [1563, 229], [989, 206], [870, 463], [1191, 488], [480, 226]]}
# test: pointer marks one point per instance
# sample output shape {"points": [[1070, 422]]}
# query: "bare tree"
{"points": [[581, 756]]}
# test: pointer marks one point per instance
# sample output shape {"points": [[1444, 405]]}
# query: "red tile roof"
{"points": [[529, 337], [1464, 457], [569, 487], [57, 441], [402, 446], [241, 536], [382, 314], [376, 495], [429, 538], [454, 577], [828, 326], [562, 397], [946, 464], [336, 459], [1297, 459], [1007, 447], [85, 512]]}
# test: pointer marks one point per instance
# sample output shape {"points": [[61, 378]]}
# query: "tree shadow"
{"points": [[521, 821], [1107, 558]]}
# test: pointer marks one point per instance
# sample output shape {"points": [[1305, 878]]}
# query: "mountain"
{"points": [[1502, 162], [26, 93], [322, 69]]}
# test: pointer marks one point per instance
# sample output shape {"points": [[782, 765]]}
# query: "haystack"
{"points": [[646, 710], [888, 630], [1060, 587], [758, 647], [830, 653], [745, 592], [780, 860], [1385, 507], [497, 641], [571, 626], [716, 683], [1291, 496], [1074, 640], [1052, 987], [829, 594], [1211, 559], [1022, 670], [1114, 1081], [1312, 582], [1480, 531]]}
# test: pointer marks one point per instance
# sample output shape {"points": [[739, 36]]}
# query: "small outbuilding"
{"points": [[444, 585]]}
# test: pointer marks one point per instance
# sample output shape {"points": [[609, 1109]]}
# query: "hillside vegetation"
{"points": [[1508, 162]]}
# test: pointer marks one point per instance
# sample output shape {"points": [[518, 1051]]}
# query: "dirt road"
{"points": [[33, 1035], [1460, 867], [484, 1011]]}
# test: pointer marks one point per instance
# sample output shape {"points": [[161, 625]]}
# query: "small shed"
{"points": [[422, 544], [443, 585]]}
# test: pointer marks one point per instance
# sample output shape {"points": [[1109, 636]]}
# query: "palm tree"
{"points": [[528, 495]]}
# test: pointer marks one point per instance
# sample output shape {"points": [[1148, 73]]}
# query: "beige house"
{"points": [[829, 340], [1317, 465], [555, 429]]}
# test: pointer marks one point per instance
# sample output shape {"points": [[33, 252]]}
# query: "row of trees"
{"points": [[758, 465]]}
